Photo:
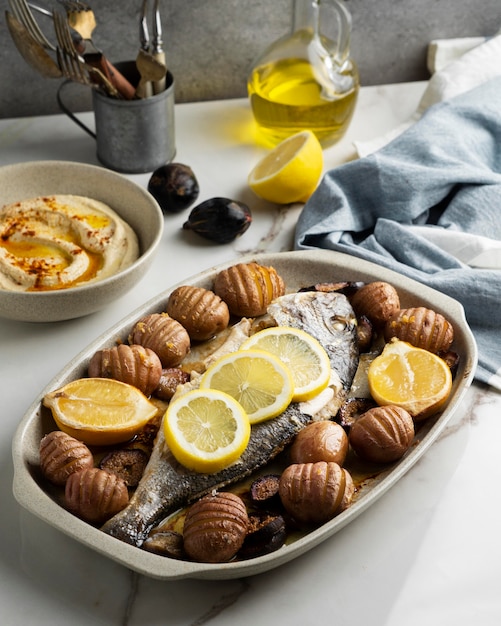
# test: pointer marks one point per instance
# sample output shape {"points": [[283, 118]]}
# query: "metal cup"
{"points": [[133, 136]]}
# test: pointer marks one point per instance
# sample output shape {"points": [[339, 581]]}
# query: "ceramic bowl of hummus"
{"points": [[73, 238]]}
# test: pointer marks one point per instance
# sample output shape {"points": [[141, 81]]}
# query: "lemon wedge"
{"points": [[290, 172], [99, 411], [256, 379], [412, 378], [206, 430], [301, 353]]}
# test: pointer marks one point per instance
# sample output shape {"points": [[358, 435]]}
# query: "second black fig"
{"points": [[219, 219]]}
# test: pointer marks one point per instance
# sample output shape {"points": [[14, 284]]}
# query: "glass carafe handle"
{"points": [[329, 21]]}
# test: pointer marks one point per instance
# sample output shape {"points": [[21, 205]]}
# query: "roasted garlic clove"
{"points": [[164, 335], [313, 493], [133, 364], [199, 310], [382, 434], [215, 528], [378, 301], [95, 495], [320, 441], [422, 327], [248, 288], [62, 455]]}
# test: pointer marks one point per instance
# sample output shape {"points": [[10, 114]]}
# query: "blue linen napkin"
{"points": [[442, 175]]}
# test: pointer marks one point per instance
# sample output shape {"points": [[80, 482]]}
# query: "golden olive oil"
{"points": [[286, 98]]}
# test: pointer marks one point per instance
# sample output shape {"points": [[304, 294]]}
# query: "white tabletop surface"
{"points": [[428, 552]]}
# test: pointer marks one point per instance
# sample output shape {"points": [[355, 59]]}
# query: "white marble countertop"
{"points": [[428, 552]]}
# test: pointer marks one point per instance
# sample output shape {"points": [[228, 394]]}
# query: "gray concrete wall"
{"points": [[211, 43]]}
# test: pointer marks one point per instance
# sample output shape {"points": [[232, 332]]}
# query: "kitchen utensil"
{"points": [[23, 13], [150, 71], [132, 136], [145, 89], [151, 64], [31, 50], [80, 17], [307, 80], [39, 9], [73, 66], [82, 20], [157, 46]]}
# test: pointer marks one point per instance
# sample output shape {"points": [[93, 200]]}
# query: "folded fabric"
{"points": [[477, 65], [428, 205]]}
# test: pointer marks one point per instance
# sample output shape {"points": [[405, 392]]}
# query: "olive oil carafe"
{"points": [[306, 80]]}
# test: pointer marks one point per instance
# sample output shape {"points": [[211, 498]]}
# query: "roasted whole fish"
{"points": [[167, 486]]}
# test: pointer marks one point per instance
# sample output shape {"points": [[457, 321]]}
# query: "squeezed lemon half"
{"points": [[99, 411], [416, 380], [289, 172]]}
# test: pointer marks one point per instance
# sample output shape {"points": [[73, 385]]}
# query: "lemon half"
{"points": [[99, 411], [412, 378], [291, 171]]}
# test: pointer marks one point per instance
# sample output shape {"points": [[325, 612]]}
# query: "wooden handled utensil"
{"points": [[82, 20]]}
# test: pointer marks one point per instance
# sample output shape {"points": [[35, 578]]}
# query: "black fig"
{"points": [[174, 186], [219, 219]]}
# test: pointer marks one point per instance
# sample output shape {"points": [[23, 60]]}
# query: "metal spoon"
{"points": [[32, 52]]}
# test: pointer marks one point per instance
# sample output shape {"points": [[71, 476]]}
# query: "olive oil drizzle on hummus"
{"points": [[60, 241]]}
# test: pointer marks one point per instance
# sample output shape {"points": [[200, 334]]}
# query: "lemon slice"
{"points": [[291, 171], [99, 411], [301, 353], [206, 430], [255, 379], [416, 380]]}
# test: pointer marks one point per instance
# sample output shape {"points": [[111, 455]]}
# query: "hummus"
{"points": [[60, 241]]}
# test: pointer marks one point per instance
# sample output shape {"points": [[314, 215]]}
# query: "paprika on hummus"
{"points": [[60, 241]]}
